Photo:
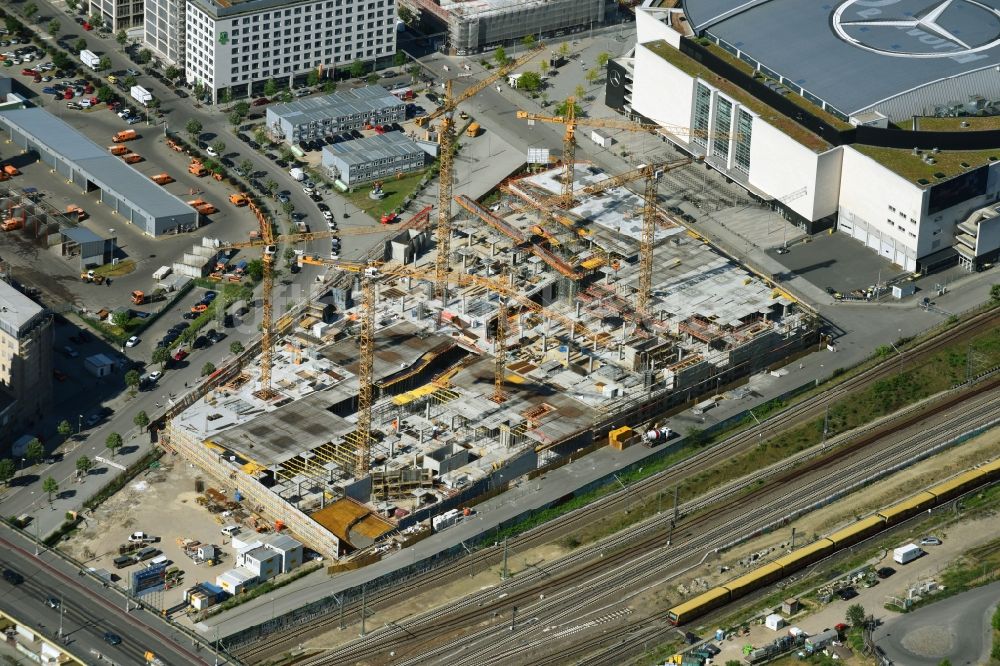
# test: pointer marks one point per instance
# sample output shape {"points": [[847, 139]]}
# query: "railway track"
{"points": [[645, 563], [615, 502]]}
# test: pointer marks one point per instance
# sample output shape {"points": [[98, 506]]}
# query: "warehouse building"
{"points": [[373, 158], [331, 114], [475, 25], [240, 45], [133, 196]]}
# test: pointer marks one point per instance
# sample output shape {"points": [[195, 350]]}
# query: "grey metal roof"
{"points": [[798, 40], [16, 309], [379, 146], [336, 105], [106, 171], [81, 235]]}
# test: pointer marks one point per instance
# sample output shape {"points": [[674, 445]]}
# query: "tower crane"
{"points": [[571, 121], [446, 137]]}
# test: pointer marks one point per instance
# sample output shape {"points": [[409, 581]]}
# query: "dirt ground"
{"points": [[161, 503]]}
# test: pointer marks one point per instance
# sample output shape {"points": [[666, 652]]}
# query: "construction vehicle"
{"points": [[216, 175], [445, 139], [390, 218], [73, 210], [11, 170], [12, 223], [124, 135], [3, 176], [118, 150], [238, 199], [90, 276], [132, 158], [173, 145], [202, 206], [472, 130], [162, 179], [141, 297], [197, 168]]}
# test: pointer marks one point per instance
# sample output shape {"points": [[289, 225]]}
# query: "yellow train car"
{"points": [[991, 470], [803, 557], [859, 531], [693, 608], [957, 485], [897, 513], [754, 580]]}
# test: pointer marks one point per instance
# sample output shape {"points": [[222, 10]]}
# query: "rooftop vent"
{"points": [[935, 150], [940, 175], [965, 123], [965, 165], [916, 151], [923, 181]]}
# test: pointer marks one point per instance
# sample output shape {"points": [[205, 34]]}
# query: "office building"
{"points": [[373, 158], [163, 30], [118, 14], [25, 363]]}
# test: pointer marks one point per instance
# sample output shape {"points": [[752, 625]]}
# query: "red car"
{"points": [[88, 89], [28, 72], [180, 355], [94, 101], [260, 101], [59, 375], [87, 26], [68, 93]]}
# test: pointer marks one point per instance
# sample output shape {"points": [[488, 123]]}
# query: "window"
{"points": [[723, 125], [892, 208], [702, 100], [744, 128]]}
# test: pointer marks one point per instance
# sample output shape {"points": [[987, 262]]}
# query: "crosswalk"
{"points": [[624, 612]]}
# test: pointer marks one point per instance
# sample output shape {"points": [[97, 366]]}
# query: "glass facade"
{"points": [[702, 106], [744, 127], [723, 126]]}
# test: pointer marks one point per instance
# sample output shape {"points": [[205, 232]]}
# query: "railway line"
{"points": [[638, 562], [644, 488]]}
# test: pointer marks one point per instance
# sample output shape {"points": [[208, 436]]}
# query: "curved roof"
{"points": [[853, 54]]}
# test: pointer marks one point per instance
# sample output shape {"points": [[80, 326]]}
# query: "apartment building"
{"points": [[118, 14], [25, 363], [163, 32], [243, 44]]}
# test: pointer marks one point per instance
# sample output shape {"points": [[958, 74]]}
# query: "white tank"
{"points": [[658, 435]]}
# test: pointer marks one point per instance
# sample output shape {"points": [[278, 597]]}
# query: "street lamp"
{"points": [[79, 424], [112, 232]]}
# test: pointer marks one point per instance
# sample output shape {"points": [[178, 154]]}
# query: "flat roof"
{"points": [[17, 311], [336, 105], [376, 147], [854, 55], [80, 235], [108, 172], [947, 163]]}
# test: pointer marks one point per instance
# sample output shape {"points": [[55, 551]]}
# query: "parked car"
{"points": [[885, 572], [53, 602], [12, 577], [260, 101], [283, 197], [132, 341], [112, 638], [847, 593], [155, 375], [180, 355], [190, 315], [930, 541]]}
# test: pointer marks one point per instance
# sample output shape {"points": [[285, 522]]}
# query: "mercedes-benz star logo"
{"points": [[958, 29], [615, 77]]}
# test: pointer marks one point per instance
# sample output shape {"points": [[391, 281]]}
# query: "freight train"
{"points": [[848, 536]]}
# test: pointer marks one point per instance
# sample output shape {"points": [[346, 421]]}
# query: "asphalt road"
{"points": [[89, 611], [956, 629]]}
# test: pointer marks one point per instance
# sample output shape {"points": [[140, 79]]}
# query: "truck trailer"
{"points": [[90, 59], [906, 554], [141, 95]]}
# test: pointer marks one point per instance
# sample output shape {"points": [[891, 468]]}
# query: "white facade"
{"points": [[118, 14], [163, 29], [250, 42]]}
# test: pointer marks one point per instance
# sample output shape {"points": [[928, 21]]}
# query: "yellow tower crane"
{"points": [[571, 121], [446, 136]]}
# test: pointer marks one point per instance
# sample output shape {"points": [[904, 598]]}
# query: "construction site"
{"points": [[569, 313]]}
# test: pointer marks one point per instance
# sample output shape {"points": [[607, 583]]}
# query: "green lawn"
{"points": [[123, 267], [395, 192]]}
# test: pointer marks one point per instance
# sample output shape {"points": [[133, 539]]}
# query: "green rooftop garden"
{"points": [[766, 112], [947, 163], [975, 123]]}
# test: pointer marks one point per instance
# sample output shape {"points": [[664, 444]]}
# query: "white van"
{"points": [[230, 530]]}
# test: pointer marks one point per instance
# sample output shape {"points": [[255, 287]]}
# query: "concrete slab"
{"points": [[837, 262]]}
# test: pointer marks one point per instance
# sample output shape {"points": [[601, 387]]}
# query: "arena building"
{"points": [[873, 117]]}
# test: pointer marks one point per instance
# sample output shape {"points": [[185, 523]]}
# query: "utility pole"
{"points": [[504, 572], [340, 602], [677, 509], [793, 539], [60, 616], [363, 610], [826, 422], [513, 616], [670, 533]]}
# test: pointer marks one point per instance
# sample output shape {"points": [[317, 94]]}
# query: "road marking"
{"points": [[593, 623]]}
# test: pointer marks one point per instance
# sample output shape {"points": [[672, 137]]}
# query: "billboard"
{"points": [[149, 580]]}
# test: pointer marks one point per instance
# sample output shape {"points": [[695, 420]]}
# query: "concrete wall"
{"points": [[654, 24], [780, 166], [661, 92]]}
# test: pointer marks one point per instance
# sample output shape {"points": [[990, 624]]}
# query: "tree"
{"points": [[144, 56], [733, 662], [227, 96], [141, 420], [592, 75], [329, 86], [530, 81], [34, 451], [105, 94], [161, 356], [528, 41], [61, 60], [399, 59], [171, 72], [104, 64], [255, 269], [50, 486], [579, 91], [199, 90], [12, 24], [113, 442], [219, 146], [97, 21], [312, 78], [414, 71], [287, 154], [357, 69], [288, 207], [72, 4], [271, 185], [64, 428], [84, 465], [245, 168], [260, 136], [286, 96], [543, 66], [122, 38], [30, 9], [7, 470], [405, 14], [54, 27], [562, 108], [995, 293], [602, 59], [270, 87], [80, 44], [120, 318], [130, 81], [500, 55], [207, 369], [855, 615], [242, 108], [564, 49], [371, 79], [236, 348], [193, 127], [132, 378]]}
